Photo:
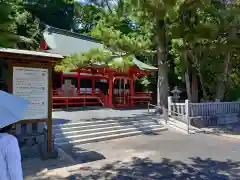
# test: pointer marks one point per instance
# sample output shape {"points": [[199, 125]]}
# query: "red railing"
{"points": [[87, 97], [142, 97], [80, 98]]}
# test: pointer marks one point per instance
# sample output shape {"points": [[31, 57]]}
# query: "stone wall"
{"points": [[32, 138]]}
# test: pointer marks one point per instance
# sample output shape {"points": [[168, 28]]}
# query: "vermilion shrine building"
{"points": [[95, 85]]}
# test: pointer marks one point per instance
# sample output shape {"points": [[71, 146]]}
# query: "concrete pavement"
{"points": [[167, 156]]}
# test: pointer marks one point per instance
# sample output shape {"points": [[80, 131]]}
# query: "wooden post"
{"points": [[78, 81], [49, 122], [110, 89], [93, 86], [169, 105], [131, 90]]}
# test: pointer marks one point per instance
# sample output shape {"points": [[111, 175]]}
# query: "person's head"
{"points": [[6, 129]]}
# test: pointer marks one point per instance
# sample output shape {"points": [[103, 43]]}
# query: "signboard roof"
{"points": [[32, 53]]}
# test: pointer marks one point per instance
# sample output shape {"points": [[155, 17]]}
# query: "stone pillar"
{"points": [[169, 105]]}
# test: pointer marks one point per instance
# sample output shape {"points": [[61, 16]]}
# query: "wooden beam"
{"points": [[50, 109], [28, 58]]}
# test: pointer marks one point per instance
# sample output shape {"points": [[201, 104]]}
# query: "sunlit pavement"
{"points": [[166, 156]]}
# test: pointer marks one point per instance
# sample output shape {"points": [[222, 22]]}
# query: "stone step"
{"points": [[103, 133], [76, 128], [108, 135], [102, 129], [94, 122]]}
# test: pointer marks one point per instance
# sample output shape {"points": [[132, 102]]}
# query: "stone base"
{"points": [[45, 155], [197, 122]]}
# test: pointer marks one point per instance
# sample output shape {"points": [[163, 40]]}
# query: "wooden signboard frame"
{"points": [[32, 61]]}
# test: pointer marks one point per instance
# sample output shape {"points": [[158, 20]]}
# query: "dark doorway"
{"points": [[3, 74]]}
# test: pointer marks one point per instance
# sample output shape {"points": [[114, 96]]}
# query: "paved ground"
{"points": [[100, 113], [166, 156]]}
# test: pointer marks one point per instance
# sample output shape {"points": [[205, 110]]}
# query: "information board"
{"points": [[32, 84]]}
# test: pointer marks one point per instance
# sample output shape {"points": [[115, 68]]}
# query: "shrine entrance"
{"points": [[121, 92]]}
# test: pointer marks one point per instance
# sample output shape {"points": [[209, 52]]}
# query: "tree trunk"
{"points": [[205, 96], [162, 83], [187, 79], [222, 78], [197, 65], [194, 86]]}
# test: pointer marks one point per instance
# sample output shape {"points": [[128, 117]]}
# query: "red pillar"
{"points": [[110, 89], [131, 89], [78, 81]]}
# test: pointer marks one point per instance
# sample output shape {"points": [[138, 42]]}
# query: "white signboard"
{"points": [[32, 84]]}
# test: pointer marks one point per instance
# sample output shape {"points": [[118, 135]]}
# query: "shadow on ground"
{"points": [[233, 128], [68, 156], [145, 169], [80, 155], [56, 121]]}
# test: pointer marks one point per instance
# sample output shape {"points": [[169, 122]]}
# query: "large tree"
{"points": [[86, 17], [56, 13], [149, 28], [210, 46], [8, 37], [19, 28], [142, 28]]}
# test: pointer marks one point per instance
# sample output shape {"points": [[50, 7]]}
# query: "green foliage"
{"points": [[28, 28], [118, 36], [8, 37], [56, 13], [201, 29], [95, 58], [19, 29], [86, 16]]}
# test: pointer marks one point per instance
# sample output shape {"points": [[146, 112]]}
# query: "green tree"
{"points": [[27, 26], [86, 17], [206, 45], [19, 29], [196, 33], [147, 33], [56, 13], [8, 37]]}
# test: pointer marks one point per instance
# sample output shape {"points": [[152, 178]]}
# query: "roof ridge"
{"points": [[52, 29]]}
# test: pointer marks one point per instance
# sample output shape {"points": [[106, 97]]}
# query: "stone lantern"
{"points": [[176, 94]]}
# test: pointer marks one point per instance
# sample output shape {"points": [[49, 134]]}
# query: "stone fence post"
{"points": [[187, 115], [169, 105], [187, 108]]}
